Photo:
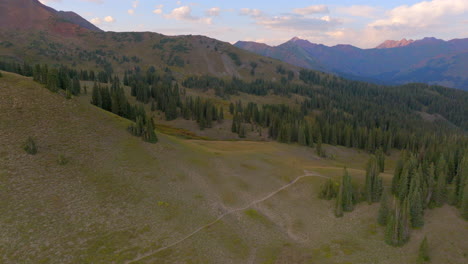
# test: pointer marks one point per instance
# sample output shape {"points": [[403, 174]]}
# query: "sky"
{"points": [[362, 23]]}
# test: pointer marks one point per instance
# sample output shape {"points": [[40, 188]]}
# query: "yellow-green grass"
{"points": [[119, 198]]}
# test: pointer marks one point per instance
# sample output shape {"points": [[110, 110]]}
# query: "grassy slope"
{"points": [[201, 55], [119, 197]]}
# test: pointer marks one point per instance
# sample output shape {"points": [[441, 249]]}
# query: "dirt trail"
{"points": [[306, 175]]}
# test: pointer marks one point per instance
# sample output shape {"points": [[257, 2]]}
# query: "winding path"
{"points": [[306, 175]]}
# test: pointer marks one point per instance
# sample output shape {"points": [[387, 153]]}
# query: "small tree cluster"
{"points": [[328, 190], [144, 128], [398, 228]]}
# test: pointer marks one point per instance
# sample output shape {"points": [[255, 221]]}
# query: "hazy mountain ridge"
{"points": [[393, 65]]}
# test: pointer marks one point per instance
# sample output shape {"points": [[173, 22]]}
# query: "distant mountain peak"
{"points": [[295, 39], [388, 44]]}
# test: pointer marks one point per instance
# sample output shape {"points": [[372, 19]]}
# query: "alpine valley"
{"points": [[137, 147]]}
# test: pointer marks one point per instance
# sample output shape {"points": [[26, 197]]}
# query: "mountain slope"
{"points": [[388, 44], [393, 64], [31, 14], [118, 199], [35, 33]]}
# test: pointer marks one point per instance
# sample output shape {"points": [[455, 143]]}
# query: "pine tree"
{"points": [[339, 201], [76, 87], [379, 154], [384, 210], [396, 177], [403, 185], [318, 147], [234, 125], [462, 179], [398, 226], [423, 256], [242, 132], [52, 80], [430, 185], [231, 108], [149, 134], [221, 115], [348, 192], [301, 136], [440, 190], [373, 181], [416, 210]]}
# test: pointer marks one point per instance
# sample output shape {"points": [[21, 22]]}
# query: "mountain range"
{"points": [[429, 60]]}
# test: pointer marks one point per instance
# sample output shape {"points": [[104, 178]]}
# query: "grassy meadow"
{"points": [[95, 194]]}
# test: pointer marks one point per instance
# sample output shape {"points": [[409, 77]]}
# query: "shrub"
{"points": [[30, 146], [62, 160]]}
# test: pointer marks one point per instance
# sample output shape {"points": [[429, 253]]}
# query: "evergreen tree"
{"points": [[429, 186], [52, 80], [379, 154], [440, 191], [416, 210], [373, 181], [301, 136], [76, 87], [398, 226], [384, 210], [149, 134], [221, 114], [462, 179], [339, 201], [234, 125], [96, 98], [318, 147], [242, 132], [423, 256], [348, 192], [396, 177], [231, 108]]}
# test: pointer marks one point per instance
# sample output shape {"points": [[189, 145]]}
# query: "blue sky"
{"points": [[363, 23]]}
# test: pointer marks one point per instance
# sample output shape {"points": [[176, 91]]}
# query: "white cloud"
{"points": [[299, 23], [109, 19], [315, 9], [131, 12], [49, 1], [158, 10], [422, 14], [184, 13], [135, 4], [179, 3], [58, 1], [99, 21], [96, 21], [214, 11], [358, 11], [251, 12]]}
